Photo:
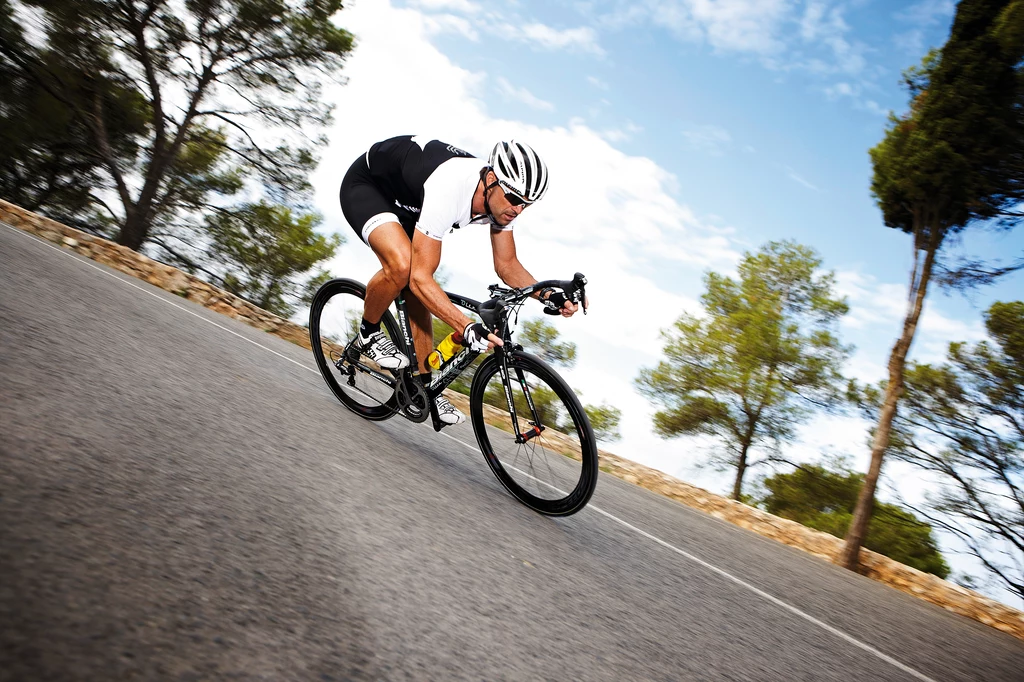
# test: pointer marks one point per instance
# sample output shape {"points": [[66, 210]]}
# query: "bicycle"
{"points": [[550, 465]]}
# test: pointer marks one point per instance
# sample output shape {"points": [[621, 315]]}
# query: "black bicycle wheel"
{"points": [[360, 384], [553, 466]]}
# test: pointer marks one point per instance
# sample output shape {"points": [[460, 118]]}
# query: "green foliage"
{"points": [[545, 401], [604, 420], [541, 338], [174, 104], [266, 249], [824, 500], [956, 156], [749, 370], [1008, 30], [313, 284], [442, 276], [955, 159], [49, 164], [440, 331], [963, 421]]}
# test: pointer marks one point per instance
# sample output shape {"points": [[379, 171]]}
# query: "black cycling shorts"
{"points": [[366, 205]]}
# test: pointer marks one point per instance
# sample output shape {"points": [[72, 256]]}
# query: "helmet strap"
{"points": [[487, 188]]}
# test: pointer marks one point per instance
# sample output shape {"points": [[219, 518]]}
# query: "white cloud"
{"points": [[794, 176], [877, 311], [583, 39], [911, 42], [839, 90], [813, 20], [626, 132], [608, 214], [927, 12], [785, 35], [523, 96], [870, 301], [597, 82], [855, 94], [503, 24], [449, 23], [710, 139], [875, 108], [826, 26], [730, 25], [464, 6]]}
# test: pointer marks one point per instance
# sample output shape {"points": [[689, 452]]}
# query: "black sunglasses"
{"points": [[516, 200]]}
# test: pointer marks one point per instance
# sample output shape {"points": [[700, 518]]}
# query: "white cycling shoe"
{"points": [[382, 350], [448, 413]]}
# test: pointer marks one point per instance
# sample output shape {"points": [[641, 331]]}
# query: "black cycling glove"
{"points": [[554, 302], [475, 337]]}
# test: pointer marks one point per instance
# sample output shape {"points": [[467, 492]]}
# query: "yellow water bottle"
{"points": [[449, 347]]}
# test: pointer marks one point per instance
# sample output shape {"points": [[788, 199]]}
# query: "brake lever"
{"points": [[575, 291], [489, 311], [580, 292]]}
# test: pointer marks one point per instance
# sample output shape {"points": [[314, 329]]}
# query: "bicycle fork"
{"points": [[506, 379]]}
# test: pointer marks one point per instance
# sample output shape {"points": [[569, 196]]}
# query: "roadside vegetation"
{"points": [[764, 354], [184, 130], [188, 131]]}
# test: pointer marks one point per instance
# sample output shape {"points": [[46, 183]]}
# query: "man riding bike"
{"points": [[402, 197]]}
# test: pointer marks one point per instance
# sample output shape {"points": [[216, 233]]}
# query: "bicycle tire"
{"points": [[320, 339], [523, 467]]}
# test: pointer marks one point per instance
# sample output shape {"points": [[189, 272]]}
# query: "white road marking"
{"points": [[85, 261], [725, 574], [739, 581]]}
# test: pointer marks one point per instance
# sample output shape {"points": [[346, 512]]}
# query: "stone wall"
{"points": [[917, 583], [164, 276]]}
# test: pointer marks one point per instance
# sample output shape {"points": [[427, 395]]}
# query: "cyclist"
{"points": [[402, 197]]}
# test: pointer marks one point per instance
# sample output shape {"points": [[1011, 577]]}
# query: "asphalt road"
{"points": [[182, 498]]}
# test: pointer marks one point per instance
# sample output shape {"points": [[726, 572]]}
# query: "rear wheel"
{"points": [[334, 317], [545, 455]]}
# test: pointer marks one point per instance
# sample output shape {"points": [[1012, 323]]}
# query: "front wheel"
{"points": [[542, 447]]}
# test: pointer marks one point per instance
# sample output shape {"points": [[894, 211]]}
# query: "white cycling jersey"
{"points": [[430, 182]]}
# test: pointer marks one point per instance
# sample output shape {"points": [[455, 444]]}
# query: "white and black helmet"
{"points": [[519, 169]]}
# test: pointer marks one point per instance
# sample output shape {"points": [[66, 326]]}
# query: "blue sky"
{"points": [[680, 133]]}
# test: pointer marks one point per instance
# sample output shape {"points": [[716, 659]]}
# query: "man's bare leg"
{"points": [[422, 331], [394, 250]]}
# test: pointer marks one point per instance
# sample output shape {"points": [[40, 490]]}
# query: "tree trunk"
{"points": [[134, 230], [850, 555], [741, 468]]}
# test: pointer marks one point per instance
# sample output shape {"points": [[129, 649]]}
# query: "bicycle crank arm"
{"points": [[350, 369], [412, 398]]}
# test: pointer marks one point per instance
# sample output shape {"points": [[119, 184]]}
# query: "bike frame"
{"points": [[509, 364], [452, 368]]}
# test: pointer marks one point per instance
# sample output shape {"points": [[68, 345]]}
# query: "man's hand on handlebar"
{"points": [[556, 301], [478, 339]]}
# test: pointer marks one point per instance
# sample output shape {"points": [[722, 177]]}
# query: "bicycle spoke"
{"points": [[552, 471], [362, 386]]}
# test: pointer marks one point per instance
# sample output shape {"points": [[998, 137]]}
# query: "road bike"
{"points": [[529, 425]]}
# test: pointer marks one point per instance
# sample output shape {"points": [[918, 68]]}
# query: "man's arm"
{"points": [[506, 263], [511, 271], [426, 256]]}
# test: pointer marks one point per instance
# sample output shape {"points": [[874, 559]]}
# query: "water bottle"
{"points": [[449, 347]]}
